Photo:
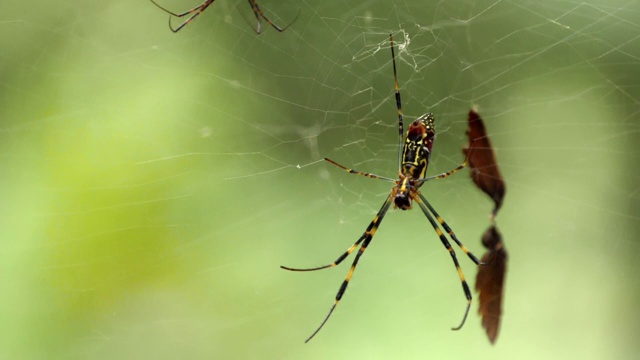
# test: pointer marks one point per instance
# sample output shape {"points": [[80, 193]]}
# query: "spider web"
{"points": [[153, 182]]}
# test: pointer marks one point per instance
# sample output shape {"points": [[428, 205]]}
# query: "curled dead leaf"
{"points": [[482, 162], [490, 282]]}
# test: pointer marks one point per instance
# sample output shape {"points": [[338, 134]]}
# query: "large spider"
{"points": [[202, 7], [413, 157]]}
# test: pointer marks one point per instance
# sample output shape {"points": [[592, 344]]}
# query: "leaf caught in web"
{"points": [[490, 282], [482, 162], [485, 174]]}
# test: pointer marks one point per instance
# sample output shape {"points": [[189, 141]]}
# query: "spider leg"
{"points": [[335, 263], [260, 15], [449, 231], [351, 171], [444, 175], [366, 236], [355, 245], [447, 245], [195, 11], [449, 173], [398, 103]]}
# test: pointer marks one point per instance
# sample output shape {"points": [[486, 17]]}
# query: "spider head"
{"points": [[403, 196]]}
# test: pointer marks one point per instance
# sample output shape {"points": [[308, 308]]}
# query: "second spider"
{"points": [[193, 13], [414, 152]]}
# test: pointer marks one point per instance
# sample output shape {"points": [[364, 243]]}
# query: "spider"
{"points": [[413, 157], [202, 7]]}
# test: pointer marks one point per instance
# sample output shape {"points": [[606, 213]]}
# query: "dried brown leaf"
{"points": [[490, 282], [482, 162]]}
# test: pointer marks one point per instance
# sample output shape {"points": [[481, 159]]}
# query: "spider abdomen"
{"points": [[417, 147]]}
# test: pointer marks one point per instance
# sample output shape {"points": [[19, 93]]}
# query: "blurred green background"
{"points": [[152, 182]]}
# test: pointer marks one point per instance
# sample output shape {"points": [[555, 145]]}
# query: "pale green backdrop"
{"points": [[152, 183]]}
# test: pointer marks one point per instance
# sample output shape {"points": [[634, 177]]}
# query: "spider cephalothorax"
{"points": [[403, 193]]}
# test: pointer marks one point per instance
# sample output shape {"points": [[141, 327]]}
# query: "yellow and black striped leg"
{"points": [[367, 236], [449, 173], [444, 175], [351, 171], [450, 232], [447, 245], [335, 263], [398, 102]]}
